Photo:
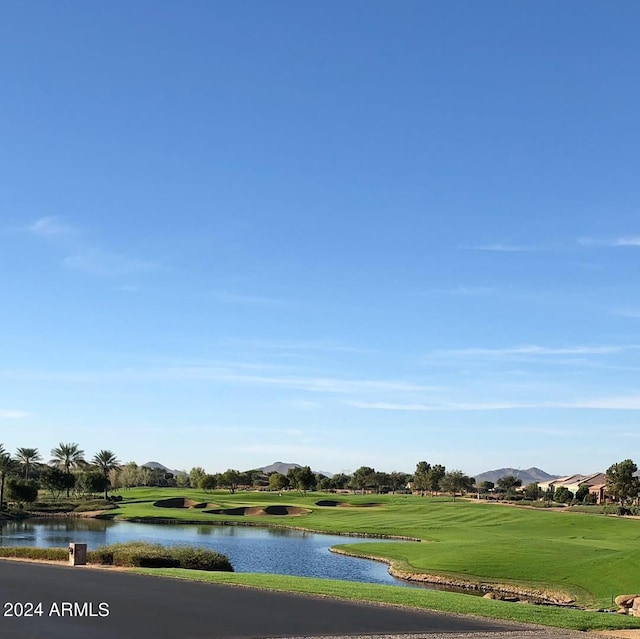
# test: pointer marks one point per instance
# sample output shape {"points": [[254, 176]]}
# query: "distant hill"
{"points": [[153, 465], [284, 467], [528, 476]]}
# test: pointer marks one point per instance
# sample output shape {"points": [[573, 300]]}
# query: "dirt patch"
{"points": [[182, 502], [260, 511]]}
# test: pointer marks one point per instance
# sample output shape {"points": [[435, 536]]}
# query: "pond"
{"points": [[279, 551]]}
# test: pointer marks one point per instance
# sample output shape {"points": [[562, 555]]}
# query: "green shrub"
{"points": [[52, 506], [137, 554], [22, 490], [102, 555], [50, 554], [144, 555], [201, 559], [536, 503]]}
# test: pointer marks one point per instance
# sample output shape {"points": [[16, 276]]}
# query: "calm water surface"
{"points": [[250, 549]]}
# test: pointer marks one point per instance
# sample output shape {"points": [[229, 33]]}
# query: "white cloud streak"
{"points": [[629, 240], [106, 264], [624, 402], [330, 385], [13, 414], [536, 350], [84, 256], [50, 226], [501, 248], [462, 291]]}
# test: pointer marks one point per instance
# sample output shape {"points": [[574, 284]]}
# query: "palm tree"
{"points": [[28, 457], [67, 456], [7, 466], [106, 461]]}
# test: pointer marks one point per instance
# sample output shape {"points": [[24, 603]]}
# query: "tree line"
{"points": [[24, 473]]}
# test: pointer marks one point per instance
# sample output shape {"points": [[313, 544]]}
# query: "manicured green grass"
{"points": [[416, 598], [590, 557]]}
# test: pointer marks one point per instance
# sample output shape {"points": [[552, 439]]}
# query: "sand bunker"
{"points": [[182, 502], [331, 502], [257, 511]]}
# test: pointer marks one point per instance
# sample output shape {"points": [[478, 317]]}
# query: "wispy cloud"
{"points": [[536, 350], [628, 313], [237, 375], [462, 291], [500, 247], [106, 264], [50, 226], [624, 402], [330, 385], [298, 345], [84, 255], [13, 414], [263, 430], [629, 240], [250, 300], [423, 407]]}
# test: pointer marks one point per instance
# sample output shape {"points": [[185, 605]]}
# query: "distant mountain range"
{"points": [[529, 476], [276, 467]]}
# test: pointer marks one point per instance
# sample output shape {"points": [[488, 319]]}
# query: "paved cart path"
{"points": [[143, 607]]}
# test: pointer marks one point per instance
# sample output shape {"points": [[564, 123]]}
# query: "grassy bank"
{"points": [[588, 557], [416, 598]]}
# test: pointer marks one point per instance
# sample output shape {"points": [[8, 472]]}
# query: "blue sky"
{"points": [[331, 233]]}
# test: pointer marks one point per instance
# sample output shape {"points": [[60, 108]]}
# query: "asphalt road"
{"points": [[142, 607]]}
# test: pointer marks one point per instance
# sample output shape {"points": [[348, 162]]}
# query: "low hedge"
{"points": [[144, 555], [49, 554], [135, 554]]}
